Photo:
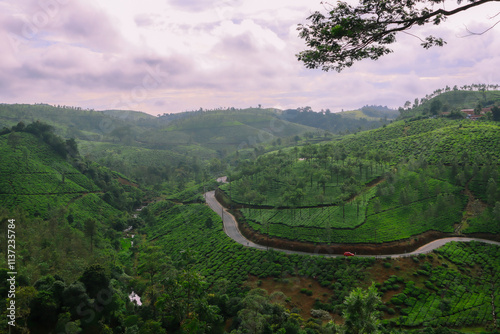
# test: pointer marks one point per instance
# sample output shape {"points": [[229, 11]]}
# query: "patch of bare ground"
{"points": [[379, 274], [127, 182], [402, 267], [291, 287]]}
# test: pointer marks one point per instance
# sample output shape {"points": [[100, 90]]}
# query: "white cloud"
{"points": [[216, 53]]}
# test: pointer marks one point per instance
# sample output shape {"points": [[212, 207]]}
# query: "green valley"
{"points": [[104, 205]]}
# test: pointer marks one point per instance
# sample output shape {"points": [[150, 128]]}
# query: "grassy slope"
{"points": [[50, 213], [32, 179], [229, 130], [182, 227], [129, 114], [357, 114], [436, 141], [77, 123], [127, 155], [132, 142], [433, 140], [450, 287]]}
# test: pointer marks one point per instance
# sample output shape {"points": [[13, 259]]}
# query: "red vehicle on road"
{"points": [[348, 254]]}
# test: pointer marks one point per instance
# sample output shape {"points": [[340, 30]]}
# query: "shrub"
{"points": [[306, 292], [430, 286], [396, 301], [423, 272], [322, 314]]}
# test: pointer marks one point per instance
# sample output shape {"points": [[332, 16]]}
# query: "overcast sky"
{"points": [[177, 55]]}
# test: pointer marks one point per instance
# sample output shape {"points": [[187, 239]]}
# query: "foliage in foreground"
{"points": [[346, 34]]}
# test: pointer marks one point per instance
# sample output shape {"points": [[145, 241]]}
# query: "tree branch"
{"points": [[492, 17], [445, 12], [410, 22], [406, 32], [350, 34], [471, 33]]}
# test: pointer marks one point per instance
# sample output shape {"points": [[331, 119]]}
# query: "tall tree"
{"points": [[491, 191], [154, 261], [13, 140], [95, 280], [478, 108], [346, 33], [496, 212], [323, 180], [496, 113], [360, 313], [436, 106], [184, 303], [90, 230]]}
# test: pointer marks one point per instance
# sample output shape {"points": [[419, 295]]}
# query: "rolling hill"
{"points": [[82, 248], [157, 148], [371, 113], [383, 185], [59, 200], [452, 101]]}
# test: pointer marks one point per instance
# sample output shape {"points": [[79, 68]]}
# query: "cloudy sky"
{"points": [[163, 56]]}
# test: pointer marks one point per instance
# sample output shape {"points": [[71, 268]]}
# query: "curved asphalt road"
{"points": [[231, 229]]}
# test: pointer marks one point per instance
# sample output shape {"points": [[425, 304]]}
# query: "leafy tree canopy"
{"points": [[360, 311], [346, 33], [95, 280]]}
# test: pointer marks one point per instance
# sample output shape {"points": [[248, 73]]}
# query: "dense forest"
{"points": [[108, 208]]}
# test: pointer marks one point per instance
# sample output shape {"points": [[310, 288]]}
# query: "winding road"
{"points": [[231, 229]]}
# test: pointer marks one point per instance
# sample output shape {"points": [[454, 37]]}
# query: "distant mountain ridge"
{"points": [[151, 148]]}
